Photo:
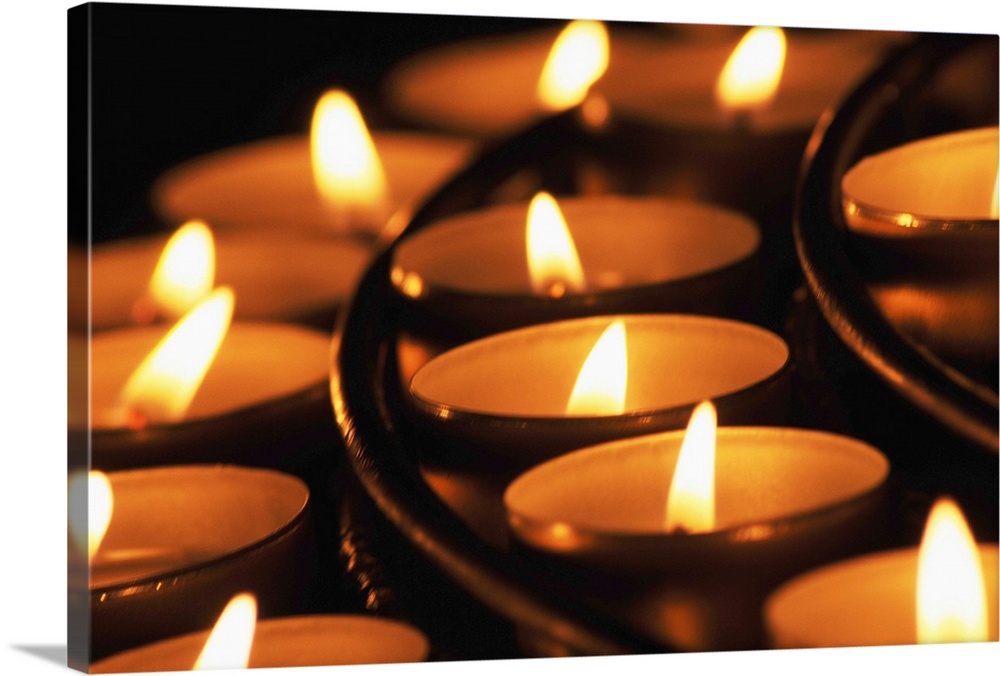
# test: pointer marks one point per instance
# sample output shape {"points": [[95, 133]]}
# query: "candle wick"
{"points": [[557, 289], [742, 120], [144, 310], [679, 530], [135, 419]]}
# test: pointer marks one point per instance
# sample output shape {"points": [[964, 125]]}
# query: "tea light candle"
{"points": [[817, 69], [277, 279], [713, 146], [482, 272], [505, 397], [941, 188], [924, 216], [182, 540], [443, 87], [784, 499], [876, 599], [265, 377], [269, 185], [646, 74], [303, 641]]}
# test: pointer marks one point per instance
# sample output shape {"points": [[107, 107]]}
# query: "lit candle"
{"points": [[781, 80], [530, 75], [180, 541], [945, 591], [239, 642], [682, 534], [301, 279], [253, 379], [516, 396], [924, 216], [513, 265], [647, 75], [660, 95], [327, 183], [723, 133], [939, 187]]}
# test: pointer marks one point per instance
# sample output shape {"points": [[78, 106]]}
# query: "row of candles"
{"points": [[649, 508]]}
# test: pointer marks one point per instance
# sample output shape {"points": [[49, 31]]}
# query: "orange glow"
{"points": [[578, 58], [751, 76], [346, 166], [995, 202], [600, 387], [691, 501], [185, 272], [162, 387], [951, 593], [87, 527], [552, 260], [229, 644]]}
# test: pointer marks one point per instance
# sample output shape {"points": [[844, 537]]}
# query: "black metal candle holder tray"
{"points": [[406, 553]]}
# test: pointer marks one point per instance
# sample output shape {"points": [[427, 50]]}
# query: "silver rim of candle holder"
{"points": [[914, 224]]}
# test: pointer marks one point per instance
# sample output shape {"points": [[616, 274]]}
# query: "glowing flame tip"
{"points": [[553, 263], [601, 385], [184, 274], [751, 76], [578, 58], [346, 165], [691, 500], [951, 594], [229, 644], [164, 384], [91, 504]]}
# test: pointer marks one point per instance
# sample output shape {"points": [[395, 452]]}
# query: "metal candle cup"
{"points": [[265, 378], [865, 601], [785, 500], [269, 184], [637, 255], [503, 398], [926, 234], [303, 641], [275, 278], [183, 540]]}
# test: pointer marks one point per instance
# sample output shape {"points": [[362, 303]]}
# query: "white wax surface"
{"points": [[673, 360], [275, 278], [304, 641], [621, 242], [269, 184], [944, 178], [167, 518], [659, 79], [762, 474], [866, 601], [256, 363]]}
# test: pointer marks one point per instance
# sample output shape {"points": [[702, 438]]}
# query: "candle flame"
{"points": [[162, 387], [578, 58], [184, 274], [600, 386], [88, 526], [346, 166], [691, 500], [751, 76], [951, 593], [552, 259], [229, 644]]}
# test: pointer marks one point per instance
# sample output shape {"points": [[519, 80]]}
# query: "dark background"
{"points": [[169, 83]]}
